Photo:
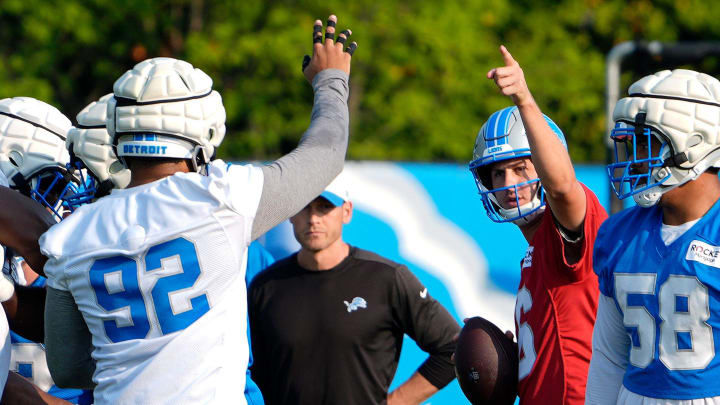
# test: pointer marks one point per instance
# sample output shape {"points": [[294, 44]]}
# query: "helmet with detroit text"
{"points": [[91, 147], [502, 138], [667, 133], [33, 156], [166, 108]]}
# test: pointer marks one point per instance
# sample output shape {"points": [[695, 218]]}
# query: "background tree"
{"points": [[418, 85]]}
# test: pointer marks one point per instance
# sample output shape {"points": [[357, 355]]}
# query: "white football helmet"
{"points": [[165, 108], [90, 142], [681, 110], [503, 137], [33, 156]]}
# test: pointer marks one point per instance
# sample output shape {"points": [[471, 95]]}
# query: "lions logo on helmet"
{"points": [[90, 143], [165, 108], [32, 151], [667, 133], [502, 138]]}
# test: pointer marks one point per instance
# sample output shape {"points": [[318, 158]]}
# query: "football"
{"points": [[486, 363]]}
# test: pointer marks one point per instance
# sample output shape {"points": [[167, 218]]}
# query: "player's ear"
{"points": [[347, 209]]}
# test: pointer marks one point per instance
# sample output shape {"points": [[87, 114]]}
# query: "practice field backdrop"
{"points": [[430, 217]]}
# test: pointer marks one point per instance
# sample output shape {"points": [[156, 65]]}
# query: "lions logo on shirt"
{"points": [[357, 302]]}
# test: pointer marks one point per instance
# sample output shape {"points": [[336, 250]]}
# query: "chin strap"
{"points": [[21, 184], [529, 218]]}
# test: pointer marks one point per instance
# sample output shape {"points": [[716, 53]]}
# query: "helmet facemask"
{"points": [[642, 155], [52, 187], [519, 214], [87, 188]]}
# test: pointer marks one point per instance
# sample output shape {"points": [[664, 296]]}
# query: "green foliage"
{"points": [[419, 90]]}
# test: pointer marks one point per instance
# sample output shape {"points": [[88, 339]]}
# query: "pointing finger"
{"points": [[491, 73], [507, 58]]}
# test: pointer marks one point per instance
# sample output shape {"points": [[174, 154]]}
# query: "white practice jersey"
{"points": [[158, 273]]}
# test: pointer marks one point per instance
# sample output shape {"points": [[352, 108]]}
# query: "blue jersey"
{"points": [[669, 299], [28, 360], [258, 260]]}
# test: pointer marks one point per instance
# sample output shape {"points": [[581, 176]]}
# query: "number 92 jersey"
{"points": [[668, 298], [157, 272]]}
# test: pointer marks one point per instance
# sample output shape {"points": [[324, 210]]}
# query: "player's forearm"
{"points": [[22, 222], [292, 181], [25, 312], [549, 156], [414, 391], [18, 390]]}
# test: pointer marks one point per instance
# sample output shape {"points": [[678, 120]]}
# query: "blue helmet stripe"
{"points": [[491, 129], [503, 124]]}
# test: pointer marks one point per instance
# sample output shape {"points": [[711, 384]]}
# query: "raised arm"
{"points": [[292, 181], [563, 192]]}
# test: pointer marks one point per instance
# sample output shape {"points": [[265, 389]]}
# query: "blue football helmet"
{"points": [[502, 138], [667, 133], [32, 152]]}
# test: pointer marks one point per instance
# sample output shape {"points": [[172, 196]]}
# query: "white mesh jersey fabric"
{"points": [[205, 360]]}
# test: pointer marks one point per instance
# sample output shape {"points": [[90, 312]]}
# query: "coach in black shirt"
{"points": [[327, 322]]}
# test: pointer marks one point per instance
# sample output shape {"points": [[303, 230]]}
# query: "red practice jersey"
{"points": [[555, 313]]}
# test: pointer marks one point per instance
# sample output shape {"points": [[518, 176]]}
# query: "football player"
{"points": [[525, 176], [657, 262], [150, 279], [32, 155], [91, 144]]}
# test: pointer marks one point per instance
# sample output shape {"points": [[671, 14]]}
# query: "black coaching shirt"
{"points": [[334, 336]]}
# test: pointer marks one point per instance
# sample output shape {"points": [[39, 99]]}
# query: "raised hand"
{"points": [[328, 53], [510, 79]]}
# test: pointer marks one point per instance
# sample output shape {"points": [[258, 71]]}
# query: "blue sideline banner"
{"points": [[429, 217]]}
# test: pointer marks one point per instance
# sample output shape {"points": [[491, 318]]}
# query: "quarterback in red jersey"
{"points": [[520, 163]]}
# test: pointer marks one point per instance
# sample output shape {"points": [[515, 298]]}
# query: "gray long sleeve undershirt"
{"points": [[289, 184], [295, 179]]}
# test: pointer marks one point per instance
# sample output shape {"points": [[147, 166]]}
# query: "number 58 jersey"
{"points": [[668, 297], [157, 272]]}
